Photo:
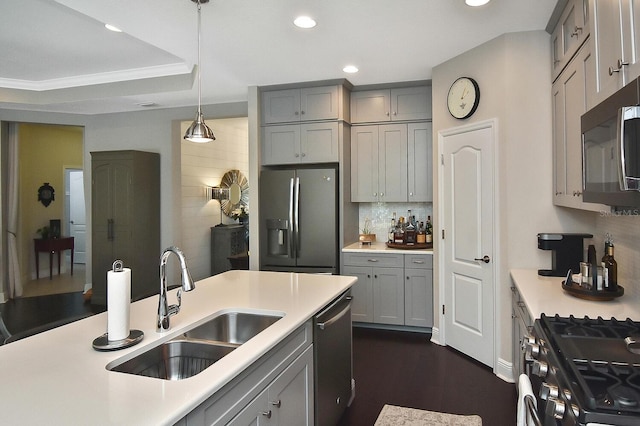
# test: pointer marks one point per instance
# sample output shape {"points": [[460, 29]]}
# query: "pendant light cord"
{"points": [[199, 64]]}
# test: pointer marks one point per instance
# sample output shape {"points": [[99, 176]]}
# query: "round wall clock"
{"points": [[463, 98]]}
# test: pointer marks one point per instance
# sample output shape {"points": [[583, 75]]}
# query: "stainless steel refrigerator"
{"points": [[299, 220]]}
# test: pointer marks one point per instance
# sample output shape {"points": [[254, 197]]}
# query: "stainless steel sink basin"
{"points": [[174, 360], [198, 348], [233, 327]]}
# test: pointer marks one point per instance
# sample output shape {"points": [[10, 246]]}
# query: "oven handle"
{"points": [[531, 409]]}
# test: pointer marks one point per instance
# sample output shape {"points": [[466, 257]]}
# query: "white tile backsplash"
{"points": [[381, 214], [625, 230]]}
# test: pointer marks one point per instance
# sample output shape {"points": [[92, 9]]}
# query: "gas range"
{"points": [[585, 371]]}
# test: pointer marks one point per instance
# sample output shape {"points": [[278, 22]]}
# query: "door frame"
{"points": [[496, 257]]}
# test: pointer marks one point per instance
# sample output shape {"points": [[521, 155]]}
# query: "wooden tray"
{"points": [[416, 246], [575, 290]]}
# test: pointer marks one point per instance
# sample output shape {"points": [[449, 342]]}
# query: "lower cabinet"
{"points": [[522, 324], [276, 390], [288, 400], [392, 289]]}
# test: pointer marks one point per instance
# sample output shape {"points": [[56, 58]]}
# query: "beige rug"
{"points": [[392, 415]]}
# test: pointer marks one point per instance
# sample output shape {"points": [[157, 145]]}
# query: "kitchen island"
{"points": [[57, 377]]}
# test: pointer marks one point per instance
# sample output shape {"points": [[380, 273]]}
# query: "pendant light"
{"points": [[199, 131]]}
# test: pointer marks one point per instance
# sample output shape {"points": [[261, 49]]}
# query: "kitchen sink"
{"points": [[232, 327], [196, 349], [174, 360]]}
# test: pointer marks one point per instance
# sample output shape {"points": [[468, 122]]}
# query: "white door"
{"points": [[77, 215], [467, 217]]}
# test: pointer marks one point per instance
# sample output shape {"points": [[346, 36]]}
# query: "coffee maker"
{"points": [[567, 251]]}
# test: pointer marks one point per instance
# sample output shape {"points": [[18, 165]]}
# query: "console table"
{"points": [[52, 245], [226, 241]]}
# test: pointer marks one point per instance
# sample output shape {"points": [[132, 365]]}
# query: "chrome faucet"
{"points": [[164, 310]]}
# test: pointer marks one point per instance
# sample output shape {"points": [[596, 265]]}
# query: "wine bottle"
{"points": [[609, 266]]}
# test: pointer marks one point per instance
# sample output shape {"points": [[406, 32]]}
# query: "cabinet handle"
{"points": [[110, 229], [267, 414], [620, 65], [419, 262], [368, 276], [375, 276], [372, 260], [276, 404], [387, 114], [576, 31], [395, 112], [302, 112], [304, 155], [296, 113], [297, 155]]}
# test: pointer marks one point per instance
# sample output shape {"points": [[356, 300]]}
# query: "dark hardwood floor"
{"points": [[27, 313], [390, 367], [406, 369]]}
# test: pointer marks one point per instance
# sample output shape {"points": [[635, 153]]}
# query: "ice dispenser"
{"points": [[277, 237], [567, 252]]}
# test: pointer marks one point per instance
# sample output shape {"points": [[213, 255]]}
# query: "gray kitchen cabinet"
{"points": [[288, 400], [569, 102], [419, 162], [418, 290], [570, 32], [378, 296], [522, 324], [300, 143], [397, 104], [616, 38], [125, 214], [379, 163], [284, 374], [305, 104]]}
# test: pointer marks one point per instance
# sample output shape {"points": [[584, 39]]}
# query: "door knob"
{"points": [[485, 259]]}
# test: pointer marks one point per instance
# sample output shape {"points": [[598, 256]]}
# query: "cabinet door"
{"points": [[319, 143], [631, 38], [419, 162], [362, 293], [388, 296], [281, 145], [254, 414], [607, 45], [411, 103], [364, 163], [319, 103], [418, 297], [281, 106], [290, 395], [570, 32], [392, 163], [370, 106]]}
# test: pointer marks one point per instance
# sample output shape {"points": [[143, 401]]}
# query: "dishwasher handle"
{"points": [[322, 325]]}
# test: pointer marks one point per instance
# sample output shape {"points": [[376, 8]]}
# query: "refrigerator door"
{"points": [[316, 220], [276, 219]]}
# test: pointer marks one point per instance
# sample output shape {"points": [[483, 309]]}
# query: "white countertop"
{"points": [[544, 295], [379, 247], [57, 378]]}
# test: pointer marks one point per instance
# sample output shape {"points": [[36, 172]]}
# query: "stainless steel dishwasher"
{"points": [[332, 349]]}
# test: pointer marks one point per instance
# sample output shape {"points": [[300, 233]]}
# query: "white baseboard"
{"points": [[504, 370], [87, 287], [435, 336], [2, 299]]}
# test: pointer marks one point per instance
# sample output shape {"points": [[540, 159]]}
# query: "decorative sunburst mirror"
{"points": [[238, 187]]}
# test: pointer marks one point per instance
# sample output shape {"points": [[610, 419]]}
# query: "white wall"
{"points": [[203, 166], [513, 72]]}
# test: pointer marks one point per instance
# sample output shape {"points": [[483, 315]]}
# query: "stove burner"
{"points": [[623, 397]]}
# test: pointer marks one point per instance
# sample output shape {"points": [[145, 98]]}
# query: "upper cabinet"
{"points": [[399, 104], [306, 104], [570, 32], [616, 34], [301, 143]]}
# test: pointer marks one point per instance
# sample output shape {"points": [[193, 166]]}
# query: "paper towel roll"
{"points": [[118, 300]]}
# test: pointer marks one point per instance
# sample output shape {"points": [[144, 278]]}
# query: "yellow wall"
{"points": [[45, 152]]}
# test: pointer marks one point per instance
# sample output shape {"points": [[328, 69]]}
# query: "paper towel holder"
{"points": [[103, 343]]}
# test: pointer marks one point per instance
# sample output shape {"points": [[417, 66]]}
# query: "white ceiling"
{"points": [[56, 55]]}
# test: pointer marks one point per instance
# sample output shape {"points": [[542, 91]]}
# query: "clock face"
{"points": [[464, 96]]}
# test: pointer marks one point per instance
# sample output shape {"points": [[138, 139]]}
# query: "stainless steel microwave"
{"points": [[611, 149]]}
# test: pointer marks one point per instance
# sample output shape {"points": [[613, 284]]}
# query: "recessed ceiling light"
{"points": [[476, 2], [304, 22], [350, 69], [112, 28]]}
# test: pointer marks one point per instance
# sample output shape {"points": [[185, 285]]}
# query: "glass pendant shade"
{"points": [[198, 131]]}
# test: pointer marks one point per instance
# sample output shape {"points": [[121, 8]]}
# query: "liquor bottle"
{"points": [[609, 266], [398, 236], [422, 236], [429, 230], [410, 234], [392, 228]]}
